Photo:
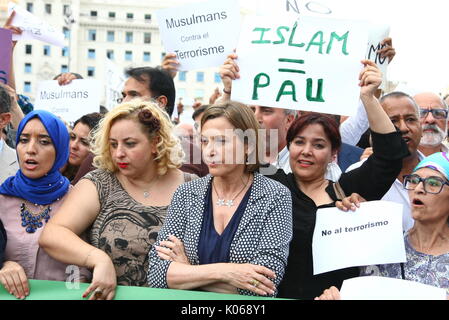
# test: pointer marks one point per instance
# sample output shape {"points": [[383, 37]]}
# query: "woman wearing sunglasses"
{"points": [[427, 243]]}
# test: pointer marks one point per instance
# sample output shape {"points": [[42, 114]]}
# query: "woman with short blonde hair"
{"points": [[123, 204], [169, 152]]}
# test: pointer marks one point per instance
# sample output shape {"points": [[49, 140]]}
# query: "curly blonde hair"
{"points": [[154, 122]]}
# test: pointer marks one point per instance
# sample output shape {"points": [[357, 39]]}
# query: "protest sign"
{"points": [[382, 288], [371, 235], [310, 64], [376, 35], [201, 34], [115, 80], [34, 27], [5, 54], [71, 101], [296, 7]]}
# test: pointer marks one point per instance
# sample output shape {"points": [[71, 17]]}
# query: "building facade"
{"points": [[126, 32]]}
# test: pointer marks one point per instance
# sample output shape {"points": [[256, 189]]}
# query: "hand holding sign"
{"points": [[229, 71], [170, 64], [387, 51], [14, 30], [34, 28], [350, 203], [370, 79]]}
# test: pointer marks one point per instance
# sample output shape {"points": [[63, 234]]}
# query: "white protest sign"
{"points": [[71, 101], [201, 34], [34, 27], [382, 288], [310, 64], [371, 235], [377, 34], [296, 7], [115, 80]]}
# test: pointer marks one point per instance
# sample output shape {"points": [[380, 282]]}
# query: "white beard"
{"points": [[433, 139]]}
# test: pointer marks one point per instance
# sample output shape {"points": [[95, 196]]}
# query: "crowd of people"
{"points": [[131, 198]]}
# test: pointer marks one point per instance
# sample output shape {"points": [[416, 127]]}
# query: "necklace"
{"points": [[146, 192], [228, 203], [31, 221]]}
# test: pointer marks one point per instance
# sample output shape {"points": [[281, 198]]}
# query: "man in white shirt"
{"points": [[8, 158], [404, 113], [276, 122], [434, 122]]}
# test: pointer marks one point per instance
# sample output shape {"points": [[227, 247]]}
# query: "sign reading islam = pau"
{"points": [[309, 63]]}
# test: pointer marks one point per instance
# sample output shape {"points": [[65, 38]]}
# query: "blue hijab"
{"points": [[53, 185]]}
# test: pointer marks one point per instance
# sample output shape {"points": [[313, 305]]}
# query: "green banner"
{"points": [[58, 290]]}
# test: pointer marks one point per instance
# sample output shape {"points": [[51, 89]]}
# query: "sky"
{"points": [[418, 28]]}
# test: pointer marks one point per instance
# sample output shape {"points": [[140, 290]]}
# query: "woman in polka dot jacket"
{"points": [[230, 231]]}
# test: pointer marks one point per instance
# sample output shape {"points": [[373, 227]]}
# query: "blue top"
{"points": [[213, 247]]}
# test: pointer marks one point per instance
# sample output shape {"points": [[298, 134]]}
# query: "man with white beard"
{"points": [[434, 122]]}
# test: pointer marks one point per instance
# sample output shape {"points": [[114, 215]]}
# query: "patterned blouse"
{"points": [[125, 229], [420, 267], [262, 237]]}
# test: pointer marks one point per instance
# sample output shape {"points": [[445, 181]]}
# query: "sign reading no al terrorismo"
{"points": [[310, 64], [201, 34]]}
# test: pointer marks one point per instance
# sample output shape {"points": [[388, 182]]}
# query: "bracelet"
{"points": [[227, 92]]}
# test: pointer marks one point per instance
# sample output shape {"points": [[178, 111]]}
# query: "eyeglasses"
{"points": [[432, 185], [436, 113]]}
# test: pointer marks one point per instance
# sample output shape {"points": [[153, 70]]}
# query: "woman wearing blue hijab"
{"points": [[28, 200]]}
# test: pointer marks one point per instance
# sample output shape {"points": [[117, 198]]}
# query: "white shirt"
{"points": [[1, 145], [283, 159], [397, 194], [354, 127]]}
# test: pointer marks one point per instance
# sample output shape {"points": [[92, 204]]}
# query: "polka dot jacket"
{"points": [[262, 237]]}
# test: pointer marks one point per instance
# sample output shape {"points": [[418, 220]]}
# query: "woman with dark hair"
{"points": [[313, 141], [30, 198], [79, 143]]}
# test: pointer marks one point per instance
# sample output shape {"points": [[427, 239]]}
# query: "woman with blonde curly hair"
{"points": [[122, 205]]}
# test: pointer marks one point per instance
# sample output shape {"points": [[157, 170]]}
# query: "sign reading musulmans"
{"points": [[201, 34], [309, 63]]}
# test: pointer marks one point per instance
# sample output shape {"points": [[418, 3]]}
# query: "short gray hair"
{"points": [[290, 111], [398, 95]]}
